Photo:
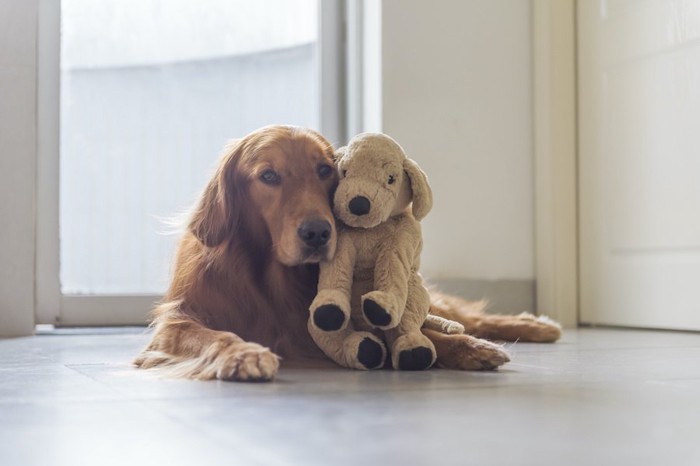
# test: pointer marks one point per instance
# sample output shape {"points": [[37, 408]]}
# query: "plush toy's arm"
{"points": [[337, 274], [395, 265], [330, 310]]}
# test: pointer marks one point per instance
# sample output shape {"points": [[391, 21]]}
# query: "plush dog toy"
{"points": [[372, 283]]}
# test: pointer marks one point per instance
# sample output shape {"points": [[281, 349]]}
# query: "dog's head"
{"points": [[378, 181], [274, 187]]}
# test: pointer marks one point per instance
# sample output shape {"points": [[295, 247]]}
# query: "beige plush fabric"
{"points": [[371, 291]]}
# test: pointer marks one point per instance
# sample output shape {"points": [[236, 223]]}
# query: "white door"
{"points": [[639, 162]]}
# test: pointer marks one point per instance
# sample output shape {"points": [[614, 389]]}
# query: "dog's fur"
{"points": [[241, 267]]}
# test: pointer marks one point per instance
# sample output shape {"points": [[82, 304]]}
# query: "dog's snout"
{"points": [[315, 233], [359, 205]]}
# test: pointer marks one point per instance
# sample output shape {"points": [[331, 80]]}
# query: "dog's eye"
{"points": [[324, 171], [391, 179], [270, 177], [344, 173]]}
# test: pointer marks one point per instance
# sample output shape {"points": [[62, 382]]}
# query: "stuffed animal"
{"points": [[371, 291]]}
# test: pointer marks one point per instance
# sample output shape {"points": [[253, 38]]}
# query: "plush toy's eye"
{"points": [[391, 179], [324, 171], [270, 176]]}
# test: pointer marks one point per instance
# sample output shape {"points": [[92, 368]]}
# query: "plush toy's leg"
{"points": [[330, 310], [410, 349], [381, 309], [348, 348], [385, 303]]}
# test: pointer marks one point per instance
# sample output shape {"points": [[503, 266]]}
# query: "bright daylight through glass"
{"points": [[150, 92]]}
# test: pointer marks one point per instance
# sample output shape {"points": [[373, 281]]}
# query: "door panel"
{"points": [[639, 163]]}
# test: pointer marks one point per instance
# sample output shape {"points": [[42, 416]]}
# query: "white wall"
{"points": [[17, 164], [457, 94]]}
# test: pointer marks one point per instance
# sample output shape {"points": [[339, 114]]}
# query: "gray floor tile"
{"points": [[98, 433], [600, 396]]}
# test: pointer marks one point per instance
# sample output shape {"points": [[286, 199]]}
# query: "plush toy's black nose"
{"points": [[359, 205], [315, 233]]}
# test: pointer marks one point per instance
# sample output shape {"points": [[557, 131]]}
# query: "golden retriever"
{"points": [[246, 271]]}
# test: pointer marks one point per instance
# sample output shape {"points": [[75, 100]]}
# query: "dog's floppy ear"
{"points": [[217, 212], [422, 194]]}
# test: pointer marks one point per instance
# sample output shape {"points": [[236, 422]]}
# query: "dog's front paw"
{"points": [[381, 309], [330, 311], [245, 362]]}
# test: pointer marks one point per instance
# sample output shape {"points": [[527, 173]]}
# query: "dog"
{"points": [[246, 271]]}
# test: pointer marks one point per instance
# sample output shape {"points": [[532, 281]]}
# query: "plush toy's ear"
{"points": [[422, 194], [339, 153], [218, 209]]}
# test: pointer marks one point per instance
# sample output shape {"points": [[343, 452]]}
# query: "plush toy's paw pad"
{"points": [[382, 309], [412, 352], [364, 351], [376, 314], [329, 317], [415, 359], [370, 354]]}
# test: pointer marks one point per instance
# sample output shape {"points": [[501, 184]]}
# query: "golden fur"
{"points": [[241, 267]]}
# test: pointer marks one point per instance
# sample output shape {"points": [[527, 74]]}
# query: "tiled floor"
{"points": [[598, 397]]}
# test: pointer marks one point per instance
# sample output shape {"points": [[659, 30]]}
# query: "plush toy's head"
{"points": [[378, 181]]}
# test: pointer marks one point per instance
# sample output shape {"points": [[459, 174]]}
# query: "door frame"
{"points": [[555, 159]]}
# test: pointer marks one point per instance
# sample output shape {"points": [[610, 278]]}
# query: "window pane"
{"points": [[150, 92]]}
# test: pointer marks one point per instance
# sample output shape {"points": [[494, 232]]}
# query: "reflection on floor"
{"points": [[597, 397]]}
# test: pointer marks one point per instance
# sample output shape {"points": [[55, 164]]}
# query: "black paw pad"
{"points": [[369, 353], [375, 313], [329, 317], [416, 359]]}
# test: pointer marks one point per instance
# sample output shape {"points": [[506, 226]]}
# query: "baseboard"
{"points": [[504, 296]]}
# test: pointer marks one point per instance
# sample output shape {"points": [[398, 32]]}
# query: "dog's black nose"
{"points": [[315, 233], [359, 205]]}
